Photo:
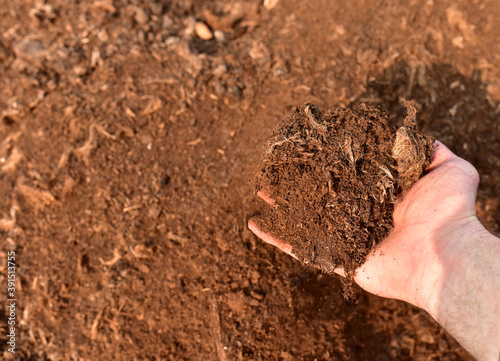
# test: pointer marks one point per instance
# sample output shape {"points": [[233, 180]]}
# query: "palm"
{"points": [[431, 208]]}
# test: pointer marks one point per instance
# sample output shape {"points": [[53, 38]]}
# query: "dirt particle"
{"points": [[105, 5], [140, 16], [152, 106], [28, 49], [236, 92], [165, 180], [203, 31], [167, 21], [220, 36]]}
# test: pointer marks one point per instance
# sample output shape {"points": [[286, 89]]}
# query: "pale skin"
{"points": [[438, 257]]}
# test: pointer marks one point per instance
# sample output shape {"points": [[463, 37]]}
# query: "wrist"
{"points": [[452, 250]]}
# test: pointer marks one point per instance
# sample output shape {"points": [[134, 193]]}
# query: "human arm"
{"points": [[438, 256], [467, 301]]}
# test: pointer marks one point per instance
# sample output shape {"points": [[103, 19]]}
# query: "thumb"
{"points": [[441, 155]]}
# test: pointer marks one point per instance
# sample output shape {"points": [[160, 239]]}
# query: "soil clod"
{"points": [[335, 177]]}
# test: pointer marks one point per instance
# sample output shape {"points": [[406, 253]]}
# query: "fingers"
{"points": [[285, 247], [269, 238], [340, 272], [265, 195], [442, 155]]}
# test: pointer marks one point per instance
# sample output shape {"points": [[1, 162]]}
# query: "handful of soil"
{"points": [[335, 177]]}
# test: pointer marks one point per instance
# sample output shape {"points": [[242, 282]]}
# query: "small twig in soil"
{"points": [[177, 239], [9, 164], [386, 171], [330, 190], [39, 198], [89, 145], [217, 331], [194, 142], [63, 161], [131, 208], [348, 147], [95, 325], [280, 142], [8, 224], [312, 119], [103, 131], [111, 262], [330, 187]]}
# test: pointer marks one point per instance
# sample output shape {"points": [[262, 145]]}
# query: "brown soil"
{"points": [[335, 177], [129, 145]]}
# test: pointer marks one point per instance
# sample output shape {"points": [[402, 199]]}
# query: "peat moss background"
{"points": [[129, 137]]}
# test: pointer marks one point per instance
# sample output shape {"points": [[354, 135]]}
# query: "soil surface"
{"points": [[334, 178], [129, 138]]}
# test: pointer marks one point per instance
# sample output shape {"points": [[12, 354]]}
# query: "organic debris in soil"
{"points": [[335, 177]]}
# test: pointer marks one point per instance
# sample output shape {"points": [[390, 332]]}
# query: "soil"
{"points": [[128, 147], [334, 177]]}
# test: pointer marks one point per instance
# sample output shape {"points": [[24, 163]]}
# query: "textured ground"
{"points": [[127, 149]]}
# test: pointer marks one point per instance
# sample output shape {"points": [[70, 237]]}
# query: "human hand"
{"points": [[430, 219]]}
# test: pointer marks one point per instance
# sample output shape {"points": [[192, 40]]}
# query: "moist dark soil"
{"points": [[335, 177]]}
